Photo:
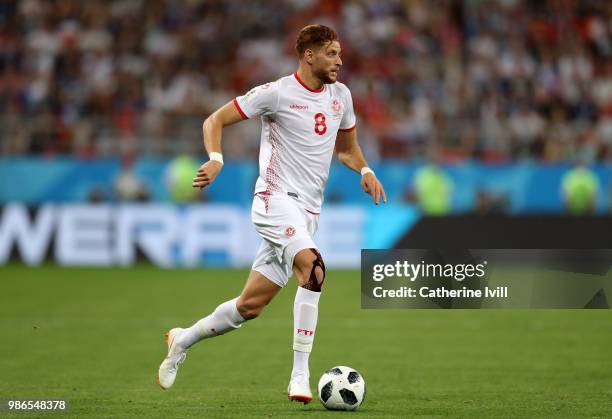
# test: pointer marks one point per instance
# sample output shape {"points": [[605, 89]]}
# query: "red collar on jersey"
{"points": [[306, 87]]}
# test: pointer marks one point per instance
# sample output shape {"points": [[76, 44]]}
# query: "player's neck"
{"points": [[309, 79]]}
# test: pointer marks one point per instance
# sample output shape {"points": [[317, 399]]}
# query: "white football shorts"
{"points": [[286, 229]]}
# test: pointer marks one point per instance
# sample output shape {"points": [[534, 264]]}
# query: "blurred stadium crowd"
{"points": [[498, 80]]}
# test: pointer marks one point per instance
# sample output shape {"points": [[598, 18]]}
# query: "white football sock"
{"points": [[224, 319], [300, 362], [305, 313]]}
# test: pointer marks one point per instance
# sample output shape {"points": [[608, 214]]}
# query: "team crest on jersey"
{"points": [[289, 231], [336, 107]]}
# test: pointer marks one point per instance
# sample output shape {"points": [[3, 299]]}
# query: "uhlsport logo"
{"points": [[298, 107]]}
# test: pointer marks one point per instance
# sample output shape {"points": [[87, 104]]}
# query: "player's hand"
{"points": [[206, 174], [372, 186]]}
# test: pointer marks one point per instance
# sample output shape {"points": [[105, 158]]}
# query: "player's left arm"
{"points": [[349, 153]]}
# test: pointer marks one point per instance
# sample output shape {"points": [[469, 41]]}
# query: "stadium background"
{"points": [[491, 108]]}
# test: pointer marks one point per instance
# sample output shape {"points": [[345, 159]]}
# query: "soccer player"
{"points": [[304, 117]]}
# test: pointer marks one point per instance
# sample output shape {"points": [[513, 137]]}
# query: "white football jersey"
{"points": [[298, 135]]}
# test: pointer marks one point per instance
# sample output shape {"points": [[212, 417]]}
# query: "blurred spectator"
{"points": [[179, 177], [490, 203], [580, 187], [128, 186], [498, 79], [433, 190], [96, 195]]}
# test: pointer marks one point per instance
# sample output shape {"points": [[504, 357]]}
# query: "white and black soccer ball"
{"points": [[341, 388]]}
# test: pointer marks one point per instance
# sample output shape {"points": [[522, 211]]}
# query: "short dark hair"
{"points": [[314, 36]]}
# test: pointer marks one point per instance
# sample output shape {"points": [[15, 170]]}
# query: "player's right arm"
{"points": [[261, 100], [226, 115]]}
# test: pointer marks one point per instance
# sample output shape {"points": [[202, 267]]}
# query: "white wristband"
{"points": [[366, 169], [216, 157]]}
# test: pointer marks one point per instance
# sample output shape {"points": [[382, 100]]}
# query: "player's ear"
{"points": [[309, 55]]}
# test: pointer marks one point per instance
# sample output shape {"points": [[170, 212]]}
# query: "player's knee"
{"points": [[319, 274], [313, 274], [249, 308]]}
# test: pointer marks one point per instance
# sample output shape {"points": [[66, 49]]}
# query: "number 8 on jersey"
{"points": [[320, 126]]}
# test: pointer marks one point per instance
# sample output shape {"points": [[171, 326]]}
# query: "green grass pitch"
{"points": [[95, 338]]}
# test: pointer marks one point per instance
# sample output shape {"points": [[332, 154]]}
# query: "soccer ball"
{"points": [[341, 388]]}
